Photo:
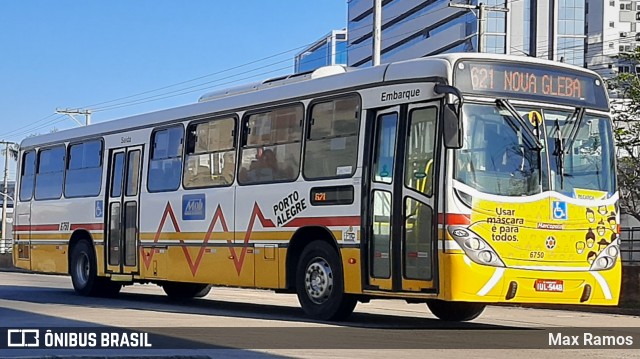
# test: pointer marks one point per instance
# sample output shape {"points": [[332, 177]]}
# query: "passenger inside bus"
{"points": [[263, 169]]}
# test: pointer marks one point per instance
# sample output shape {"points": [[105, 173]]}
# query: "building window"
{"points": [[623, 69], [611, 45], [165, 163], [211, 153], [271, 149], [83, 177], [332, 143], [50, 173], [612, 3]]}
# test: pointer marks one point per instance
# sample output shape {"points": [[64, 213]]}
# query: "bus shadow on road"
{"points": [[215, 307]]}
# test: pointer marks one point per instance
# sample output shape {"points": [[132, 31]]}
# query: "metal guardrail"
{"points": [[6, 245], [630, 246]]}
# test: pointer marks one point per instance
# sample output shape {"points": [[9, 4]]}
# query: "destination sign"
{"points": [[532, 82]]}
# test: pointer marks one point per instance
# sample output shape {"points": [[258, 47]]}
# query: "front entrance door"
{"points": [[122, 206], [402, 245]]}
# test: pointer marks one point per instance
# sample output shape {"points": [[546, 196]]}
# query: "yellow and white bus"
{"points": [[456, 180]]}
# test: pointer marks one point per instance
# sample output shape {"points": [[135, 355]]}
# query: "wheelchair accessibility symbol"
{"points": [[559, 210]]}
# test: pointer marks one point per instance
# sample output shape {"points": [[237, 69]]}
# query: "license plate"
{"points": [[544, 285]]}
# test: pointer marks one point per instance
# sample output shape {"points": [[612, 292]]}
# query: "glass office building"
{"points": [[553, 29], [329, 50]]}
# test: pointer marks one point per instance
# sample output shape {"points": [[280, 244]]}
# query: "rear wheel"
{"points": [[181, 291], [83, 270], [320, 285], [455, 311]]}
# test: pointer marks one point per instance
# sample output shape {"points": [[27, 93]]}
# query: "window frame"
{"points": [[66, 166], [307, 133], [155, 130], [434, 172], [244, 134], [22, 169], [236, 132]]}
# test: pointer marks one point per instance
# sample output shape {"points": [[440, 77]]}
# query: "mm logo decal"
{"points": [[193, 207]]}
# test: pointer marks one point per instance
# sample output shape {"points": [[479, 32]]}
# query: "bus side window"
{"points": [[28, 174], [50, 173], [271, 149], [83, 176], [211, 154], [332, 141], [165, 163]]}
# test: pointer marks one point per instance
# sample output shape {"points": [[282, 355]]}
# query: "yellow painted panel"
{"points": [[150, 236], [156, 258], [266, 267], [352, 271], [413, 285], [282, 268], [100, 259], [49, 258], [219, 265], [468, 281]]}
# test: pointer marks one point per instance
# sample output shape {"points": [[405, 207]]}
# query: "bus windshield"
{"points": [[497, 157], [583, 161]]}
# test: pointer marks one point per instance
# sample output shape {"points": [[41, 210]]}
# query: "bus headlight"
{"points": [[476, 248], [607, 258]]}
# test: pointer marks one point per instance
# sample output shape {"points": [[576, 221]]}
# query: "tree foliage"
{"points": [[626, 124]]}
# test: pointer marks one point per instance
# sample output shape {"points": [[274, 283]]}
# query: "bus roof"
{"points": [[273, 91]]}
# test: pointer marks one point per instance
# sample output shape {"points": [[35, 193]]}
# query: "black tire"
{"points": [[83, 270], [182, 291], [320, 284], [455, 311]]}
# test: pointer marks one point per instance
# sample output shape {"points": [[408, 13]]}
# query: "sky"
{"points": [[124, 57]]}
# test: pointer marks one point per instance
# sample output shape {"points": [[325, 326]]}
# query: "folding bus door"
{"points": [[122, 210]]}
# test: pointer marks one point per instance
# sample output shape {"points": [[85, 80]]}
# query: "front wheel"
{"points": [[455, 311], [320, 284]]}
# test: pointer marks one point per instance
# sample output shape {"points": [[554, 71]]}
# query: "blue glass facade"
{"points": [[526, 30], [495, 28], [331, 50], [571, 31], [420, 28]]}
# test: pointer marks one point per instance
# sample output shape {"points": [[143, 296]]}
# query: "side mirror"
{"points": [[451, 117], [452, 127]]}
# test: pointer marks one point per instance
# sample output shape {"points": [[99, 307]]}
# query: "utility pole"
{"points": [[4, 194], [482, 12], [71, 112], [377, 32]]}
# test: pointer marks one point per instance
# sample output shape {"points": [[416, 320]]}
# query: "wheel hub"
{"points": [[82, 268], [319, 280]]}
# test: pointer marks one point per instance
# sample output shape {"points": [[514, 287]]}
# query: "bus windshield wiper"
{"points": [[575, 128], [559, 152], [521, 122]]}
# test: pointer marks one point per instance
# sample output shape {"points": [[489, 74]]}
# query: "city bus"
{"points": [[456, 180]]}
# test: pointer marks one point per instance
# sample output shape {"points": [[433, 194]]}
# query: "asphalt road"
{"points": [[264, 324]]}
